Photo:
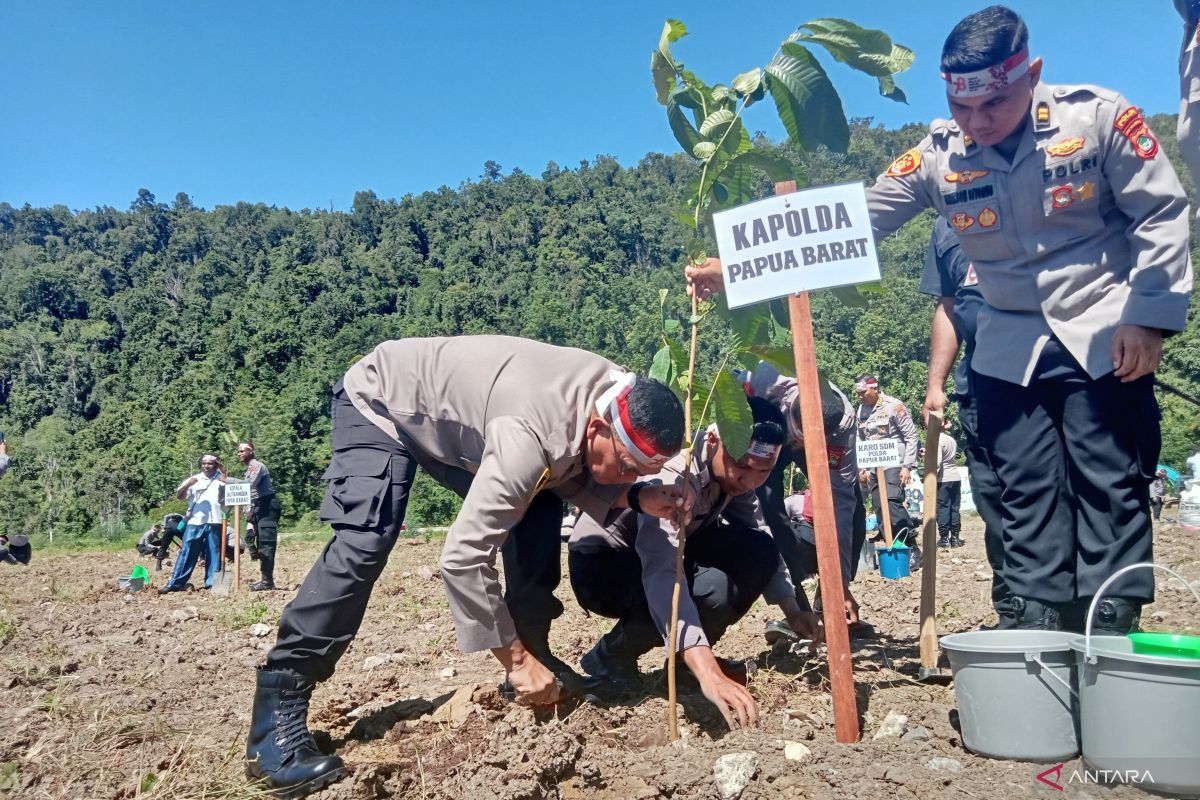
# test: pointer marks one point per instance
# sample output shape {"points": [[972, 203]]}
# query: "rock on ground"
{"points": [[733, 772]]}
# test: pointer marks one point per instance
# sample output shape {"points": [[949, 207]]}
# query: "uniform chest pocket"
{"points": [[980, 229], [1071, 210]]}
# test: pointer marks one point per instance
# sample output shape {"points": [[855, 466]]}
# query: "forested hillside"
{"points": [[132, 341]]}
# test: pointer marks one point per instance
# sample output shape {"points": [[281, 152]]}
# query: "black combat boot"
{"points": [[1115, 616], [1034, 614], [280, 750], [610, 668], [943, 541]]}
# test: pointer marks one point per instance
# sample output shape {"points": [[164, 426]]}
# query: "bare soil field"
{"points": [[104, 694]]}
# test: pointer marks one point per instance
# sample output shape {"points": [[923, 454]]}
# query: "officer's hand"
{"points": [[807, 625], [864, 477], [704, 280], [1136, 352], [935, 400], [667, 502], [905, 473], [733, 700], [852, 616], [534, 684]]}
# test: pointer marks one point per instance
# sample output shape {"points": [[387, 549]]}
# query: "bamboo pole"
{"points": [[929, 642]]}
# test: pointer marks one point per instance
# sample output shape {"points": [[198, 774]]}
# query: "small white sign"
{"points": [[812, 239], [237, 494], [878, 453]]}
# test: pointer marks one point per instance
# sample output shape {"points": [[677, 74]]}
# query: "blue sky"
{"points": [[302, 104]]}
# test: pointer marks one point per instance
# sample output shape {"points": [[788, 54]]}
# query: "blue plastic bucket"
{"points": [[893, 562]]}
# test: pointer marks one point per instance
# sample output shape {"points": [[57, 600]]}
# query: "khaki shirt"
{"points": [[889, 419], [1188, 129], [513, 413], [657, 542], [1085, 230], [947, 471]]}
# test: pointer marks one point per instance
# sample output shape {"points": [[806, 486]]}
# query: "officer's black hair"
{"points": [[832, 408], [657, 413], [768, 422], [984, 39]]}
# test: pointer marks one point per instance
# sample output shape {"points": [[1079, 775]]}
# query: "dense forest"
{"points": [[132, 341]]}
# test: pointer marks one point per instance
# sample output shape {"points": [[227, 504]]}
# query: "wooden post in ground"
{"points": [[884, 512], [237, 546], [929, 642], [829, 564]]}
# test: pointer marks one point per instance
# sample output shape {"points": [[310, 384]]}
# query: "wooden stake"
{"points": [[237, 546], [829, 564], [884, 512], [929, 642], [672, 710]]}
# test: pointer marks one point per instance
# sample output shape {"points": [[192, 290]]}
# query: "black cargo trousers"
{"points": [[365, 499]]}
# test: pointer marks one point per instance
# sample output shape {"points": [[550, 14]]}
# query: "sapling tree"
{"points": [[708, 121]]}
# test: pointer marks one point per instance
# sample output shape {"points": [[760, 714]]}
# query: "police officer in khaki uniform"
{"points": [[1188, 129], [840, 432], [881, 416], [516, 427], [626, 570], [1078, 231]]}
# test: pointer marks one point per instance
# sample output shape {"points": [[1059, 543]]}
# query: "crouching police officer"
{"points": [[516, 426]]}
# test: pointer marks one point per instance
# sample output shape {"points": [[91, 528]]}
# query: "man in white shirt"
{"points": [[203, 491]]}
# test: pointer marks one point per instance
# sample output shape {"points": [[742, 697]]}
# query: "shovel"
{"points": [[223, 580]]}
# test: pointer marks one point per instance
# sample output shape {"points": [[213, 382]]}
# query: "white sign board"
{"points": [[813, 239], [878, 453], [237, 494]]}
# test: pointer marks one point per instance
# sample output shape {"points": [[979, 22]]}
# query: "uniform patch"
{"points": [[1042, 118], [962, 220], [965, 176], [1132, 126], [1087, 191], [971, 278], [1062, 197], [1066, 147], [905, 164], [987, 219]]}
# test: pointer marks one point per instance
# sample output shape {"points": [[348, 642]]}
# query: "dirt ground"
{"points": [[104, 694]]}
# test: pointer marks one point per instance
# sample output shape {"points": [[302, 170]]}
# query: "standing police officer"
{"points": [[1188, 129], [1078, 230], [883, 417], [264, 513]]}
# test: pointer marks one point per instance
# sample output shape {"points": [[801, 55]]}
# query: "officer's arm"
{"points": [[901, 192], [943, 349], [510, 471], [908, 434], [1146, 189], [656, 546]]}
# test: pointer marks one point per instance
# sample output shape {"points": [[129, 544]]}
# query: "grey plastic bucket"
{"points": [[1139, 715], [1015, 693]]}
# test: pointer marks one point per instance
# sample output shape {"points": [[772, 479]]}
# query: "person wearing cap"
{"points": [[794, 541], [516, 427], [949, 490], [264, 515], [626, 569], [950, 277], [1077, 228], [882, 416], [203, 492], [1188, 126]]}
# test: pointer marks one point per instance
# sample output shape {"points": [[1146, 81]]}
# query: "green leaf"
{"points": [[673, 327], [704, 150], [901, 58], [781, 358], [673, 30], [715, 122], [695, 250], [849, 296], [663, 73], [735, 421], [864, 49], [808, 104], [687, 216], [738, 183], [720, 93], [748, 82], [889, 89], [777, 168], [751, 324], [685, 132], [660, 369]]}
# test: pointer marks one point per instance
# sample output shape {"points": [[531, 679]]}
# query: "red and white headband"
{"points": [[614, 403], [866, 383], [988, 80], [760, 449]]}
